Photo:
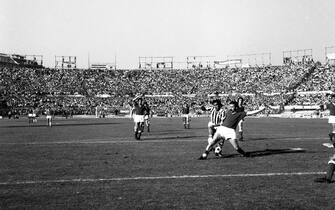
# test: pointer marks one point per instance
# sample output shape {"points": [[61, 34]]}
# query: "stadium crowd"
{"points": [[80, 91]]}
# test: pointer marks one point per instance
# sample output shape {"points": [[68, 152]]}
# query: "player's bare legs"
{"points": [[147, 123], [211, 131], [234, 143], [137, 130], [332, 133], [240, 130], [216, 138]]}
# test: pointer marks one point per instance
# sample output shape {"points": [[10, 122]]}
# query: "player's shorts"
{"points": [[146, 117], [185, 115], [331, 119], [224, 132], [48, 116], [138, 118]]}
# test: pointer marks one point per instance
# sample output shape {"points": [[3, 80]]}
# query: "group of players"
{"points": [[223, 124], [226, 124]]}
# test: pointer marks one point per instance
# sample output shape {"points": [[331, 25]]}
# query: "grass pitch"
{"points": [[97, 164]]}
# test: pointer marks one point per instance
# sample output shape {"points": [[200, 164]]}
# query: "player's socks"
{"points": [[139, 135], [330, 171]]}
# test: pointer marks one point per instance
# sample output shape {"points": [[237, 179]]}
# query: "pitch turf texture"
{"points": [[97, 164]]}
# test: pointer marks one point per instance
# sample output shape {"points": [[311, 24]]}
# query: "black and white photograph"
{"points": [[167, 104]]}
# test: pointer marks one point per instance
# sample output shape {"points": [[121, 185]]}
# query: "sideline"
{"points": [[87, 180], [148, 139]]}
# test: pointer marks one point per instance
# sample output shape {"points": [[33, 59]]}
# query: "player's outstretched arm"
{"points": [[261, 108]]}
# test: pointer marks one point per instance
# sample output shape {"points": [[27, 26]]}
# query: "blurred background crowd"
{"points": [[87, 91]]}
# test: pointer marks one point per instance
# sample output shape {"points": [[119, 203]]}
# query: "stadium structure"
{"points": [[298, 84]]}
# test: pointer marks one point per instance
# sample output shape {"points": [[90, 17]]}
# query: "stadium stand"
{"points": [[80, 91]]}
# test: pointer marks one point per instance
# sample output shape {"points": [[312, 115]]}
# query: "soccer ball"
{"points": [[217, 151]]}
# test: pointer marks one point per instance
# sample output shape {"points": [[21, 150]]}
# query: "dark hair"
{"points": [[234, 102], [218, 102]]}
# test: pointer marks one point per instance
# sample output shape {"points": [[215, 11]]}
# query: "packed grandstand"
{"points": [[84, 91]]}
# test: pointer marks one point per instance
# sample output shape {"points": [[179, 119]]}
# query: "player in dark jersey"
{"points": [[240, 108], [185, 111], [330, 171], [226, 130], [137, 113], [331, 162], [331, 120]]}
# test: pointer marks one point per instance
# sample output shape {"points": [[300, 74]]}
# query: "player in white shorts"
{"points": [[226, 131], [138, 115], [331, 162]]}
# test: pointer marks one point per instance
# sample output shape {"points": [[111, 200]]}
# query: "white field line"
{"points": [[124, 140], [88, 180]]}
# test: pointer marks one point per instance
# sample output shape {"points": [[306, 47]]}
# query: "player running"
{"points": [[137, 113]]}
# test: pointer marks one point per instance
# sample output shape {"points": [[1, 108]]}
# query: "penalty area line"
{"points": [[88, 180]]}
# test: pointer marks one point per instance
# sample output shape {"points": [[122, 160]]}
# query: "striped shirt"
{"points": [[217, 117]]}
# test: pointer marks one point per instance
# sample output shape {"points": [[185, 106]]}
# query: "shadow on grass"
{"points": [[270, 138], [267, 152], [148, 138]]}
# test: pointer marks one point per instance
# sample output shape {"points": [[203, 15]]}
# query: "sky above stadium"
{"points": [[127, 29]]}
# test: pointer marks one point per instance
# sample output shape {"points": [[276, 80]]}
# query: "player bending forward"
{"points": [[226, 131]]}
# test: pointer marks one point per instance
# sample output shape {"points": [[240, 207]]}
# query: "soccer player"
{"points": [[330, 172], [216, 118], [240, 108], [137, 113], [226, 131], [331, 119], [185, 111], [147, 115], [49, 116]]}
